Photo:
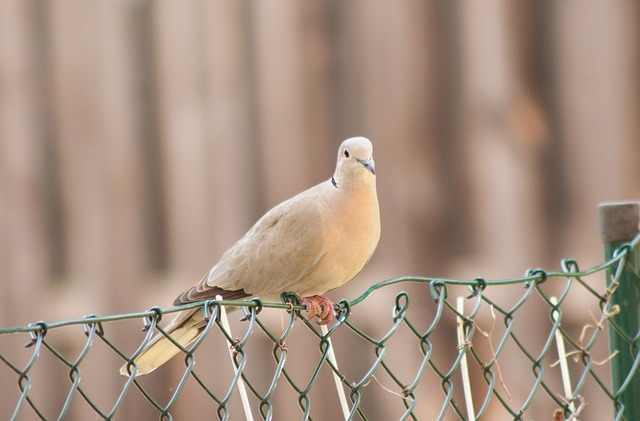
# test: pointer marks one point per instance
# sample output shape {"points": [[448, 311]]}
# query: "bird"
{"points": [[309, 244]]}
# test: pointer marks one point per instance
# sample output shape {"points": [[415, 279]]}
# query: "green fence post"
{"points": [[619, 225]]}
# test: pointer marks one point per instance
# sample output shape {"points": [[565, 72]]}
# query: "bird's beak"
{"points": [[368, 164]]}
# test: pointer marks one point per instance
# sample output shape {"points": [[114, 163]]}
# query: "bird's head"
{"points": [[355, 162]]}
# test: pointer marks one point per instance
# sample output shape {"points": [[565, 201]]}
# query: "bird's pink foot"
{"points": [[318, 306]]}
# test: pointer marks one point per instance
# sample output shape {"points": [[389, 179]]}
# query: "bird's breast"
{"points": [[350, 237]]}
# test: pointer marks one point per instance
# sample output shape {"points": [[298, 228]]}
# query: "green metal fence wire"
{"points": [[422, 309]]}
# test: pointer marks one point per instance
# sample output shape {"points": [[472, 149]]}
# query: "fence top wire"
{"points": [[374, 350]]}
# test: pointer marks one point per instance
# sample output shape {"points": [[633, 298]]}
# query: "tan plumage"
{"points": [[309, 244]]}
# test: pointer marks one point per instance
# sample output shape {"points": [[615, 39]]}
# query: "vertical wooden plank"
{"points": [[181, 115], [281, 109], [448, 125], [536, 118], [232, 172], [597, 57], [319, 56], [123, 160], [24, 252], [25, 259], [78, 151], [502, 162]]}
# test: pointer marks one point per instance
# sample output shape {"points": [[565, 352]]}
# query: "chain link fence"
{"points": [[534, 347]]}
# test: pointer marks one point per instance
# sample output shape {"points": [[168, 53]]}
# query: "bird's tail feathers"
{"points": [[184, 329]]}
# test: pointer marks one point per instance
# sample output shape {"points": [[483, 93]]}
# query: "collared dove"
{"points": [[308, 245]]}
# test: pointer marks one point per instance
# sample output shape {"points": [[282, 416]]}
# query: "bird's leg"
{"points": [[313, 306], [318, 306], [327, 310]]}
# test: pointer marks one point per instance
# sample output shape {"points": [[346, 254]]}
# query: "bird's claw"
{"points": [[318, 306]]}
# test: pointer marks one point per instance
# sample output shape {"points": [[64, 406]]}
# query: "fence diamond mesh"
{"points": [[407, 348]]}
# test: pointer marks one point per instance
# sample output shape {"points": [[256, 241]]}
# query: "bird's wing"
{"points": [[281, 248]]}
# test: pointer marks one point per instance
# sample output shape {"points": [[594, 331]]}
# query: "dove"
{"points": [[310, 244]]}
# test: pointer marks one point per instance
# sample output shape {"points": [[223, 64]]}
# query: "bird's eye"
{"points": [[346, 153]]}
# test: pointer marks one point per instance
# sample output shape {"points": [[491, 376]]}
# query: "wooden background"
{"points": [[140, 139]]}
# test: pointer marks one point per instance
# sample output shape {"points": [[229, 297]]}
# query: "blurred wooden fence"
{"points": [[139, 139]]}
